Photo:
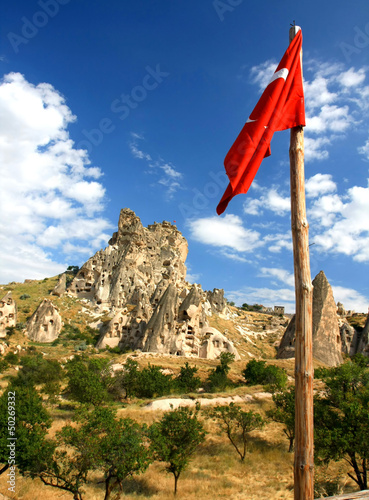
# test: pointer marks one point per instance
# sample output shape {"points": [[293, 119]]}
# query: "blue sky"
{"points": [[105, 105]]}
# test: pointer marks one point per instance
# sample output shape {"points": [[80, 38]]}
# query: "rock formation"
{"points": [[141, 279], [60, 287], [349, 338], [363, 341], [215, 343], [326, 333], [136, 261], [45, 323], [8, 313]]}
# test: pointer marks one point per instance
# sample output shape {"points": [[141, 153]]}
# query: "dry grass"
{"points": [[214, 472]]}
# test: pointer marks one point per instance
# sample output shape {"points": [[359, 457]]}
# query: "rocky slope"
{"points": [[135, 292], [140, 278]]}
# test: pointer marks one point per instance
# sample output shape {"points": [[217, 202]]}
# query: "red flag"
{"points": [[280, 107]]}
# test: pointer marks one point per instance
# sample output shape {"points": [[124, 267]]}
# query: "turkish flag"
{"points": [[280, 107]]}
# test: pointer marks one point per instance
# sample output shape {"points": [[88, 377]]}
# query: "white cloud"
{"points": [[279, 241], [351, 78], [335, 100], [317, 93], [225, 231], [316, 148], [170, 171], [44, 187], [343, 223], [269, 200], [280, 274], [364, 150], [136, 152], [171, 174], [351, 299], [319, 184], [262, 73]]}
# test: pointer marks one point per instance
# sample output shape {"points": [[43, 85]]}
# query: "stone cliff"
{"points": [[8, 313], [140, 278], [327, 345], [45, 324]]}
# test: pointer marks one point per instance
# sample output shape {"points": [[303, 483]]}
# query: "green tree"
{"points": [[23, 406], [342, 418], [129, 378], [237, 424], [117, 447], [123, 451], [74, 455], [153, 383], [11, 358], [284, 413], [73, 269], [187, 381], [36, 370], [175, 438], [218, 379], [90, 380], [271, 376]]}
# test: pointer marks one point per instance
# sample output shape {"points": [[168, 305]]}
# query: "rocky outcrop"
{"points": [[136, 259], [217, 301], [8, 313], [215, 343], [60, 287], [363, 342], [349, 338], [326, 333], [45, 323], [141, 279]]}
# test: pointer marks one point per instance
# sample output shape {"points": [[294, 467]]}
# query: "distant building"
{"points": [[279, 309], [267, 309]]}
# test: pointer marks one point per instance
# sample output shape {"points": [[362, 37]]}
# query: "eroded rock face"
{"points": [[45, 323], [349, 338], [326, 332], [141, 278], [60, 287], [363, 343], [136, 259], [215, 343], [8, 313]]}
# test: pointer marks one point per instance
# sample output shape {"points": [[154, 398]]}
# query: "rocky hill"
{"points": [[135, 294]]}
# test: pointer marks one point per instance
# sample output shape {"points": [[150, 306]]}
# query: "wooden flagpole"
{"points": [[304, 372]]}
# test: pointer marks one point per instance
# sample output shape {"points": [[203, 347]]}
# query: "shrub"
{"points": [[175, 438], [217, 379], [237, 424], [25, 296], [90, 380], [271, 376], [153, 383], [3, 365], [186, 380], [114, 350], [11, 358]]}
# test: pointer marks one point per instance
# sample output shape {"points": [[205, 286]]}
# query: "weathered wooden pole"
{"points": [[304, 372]]}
